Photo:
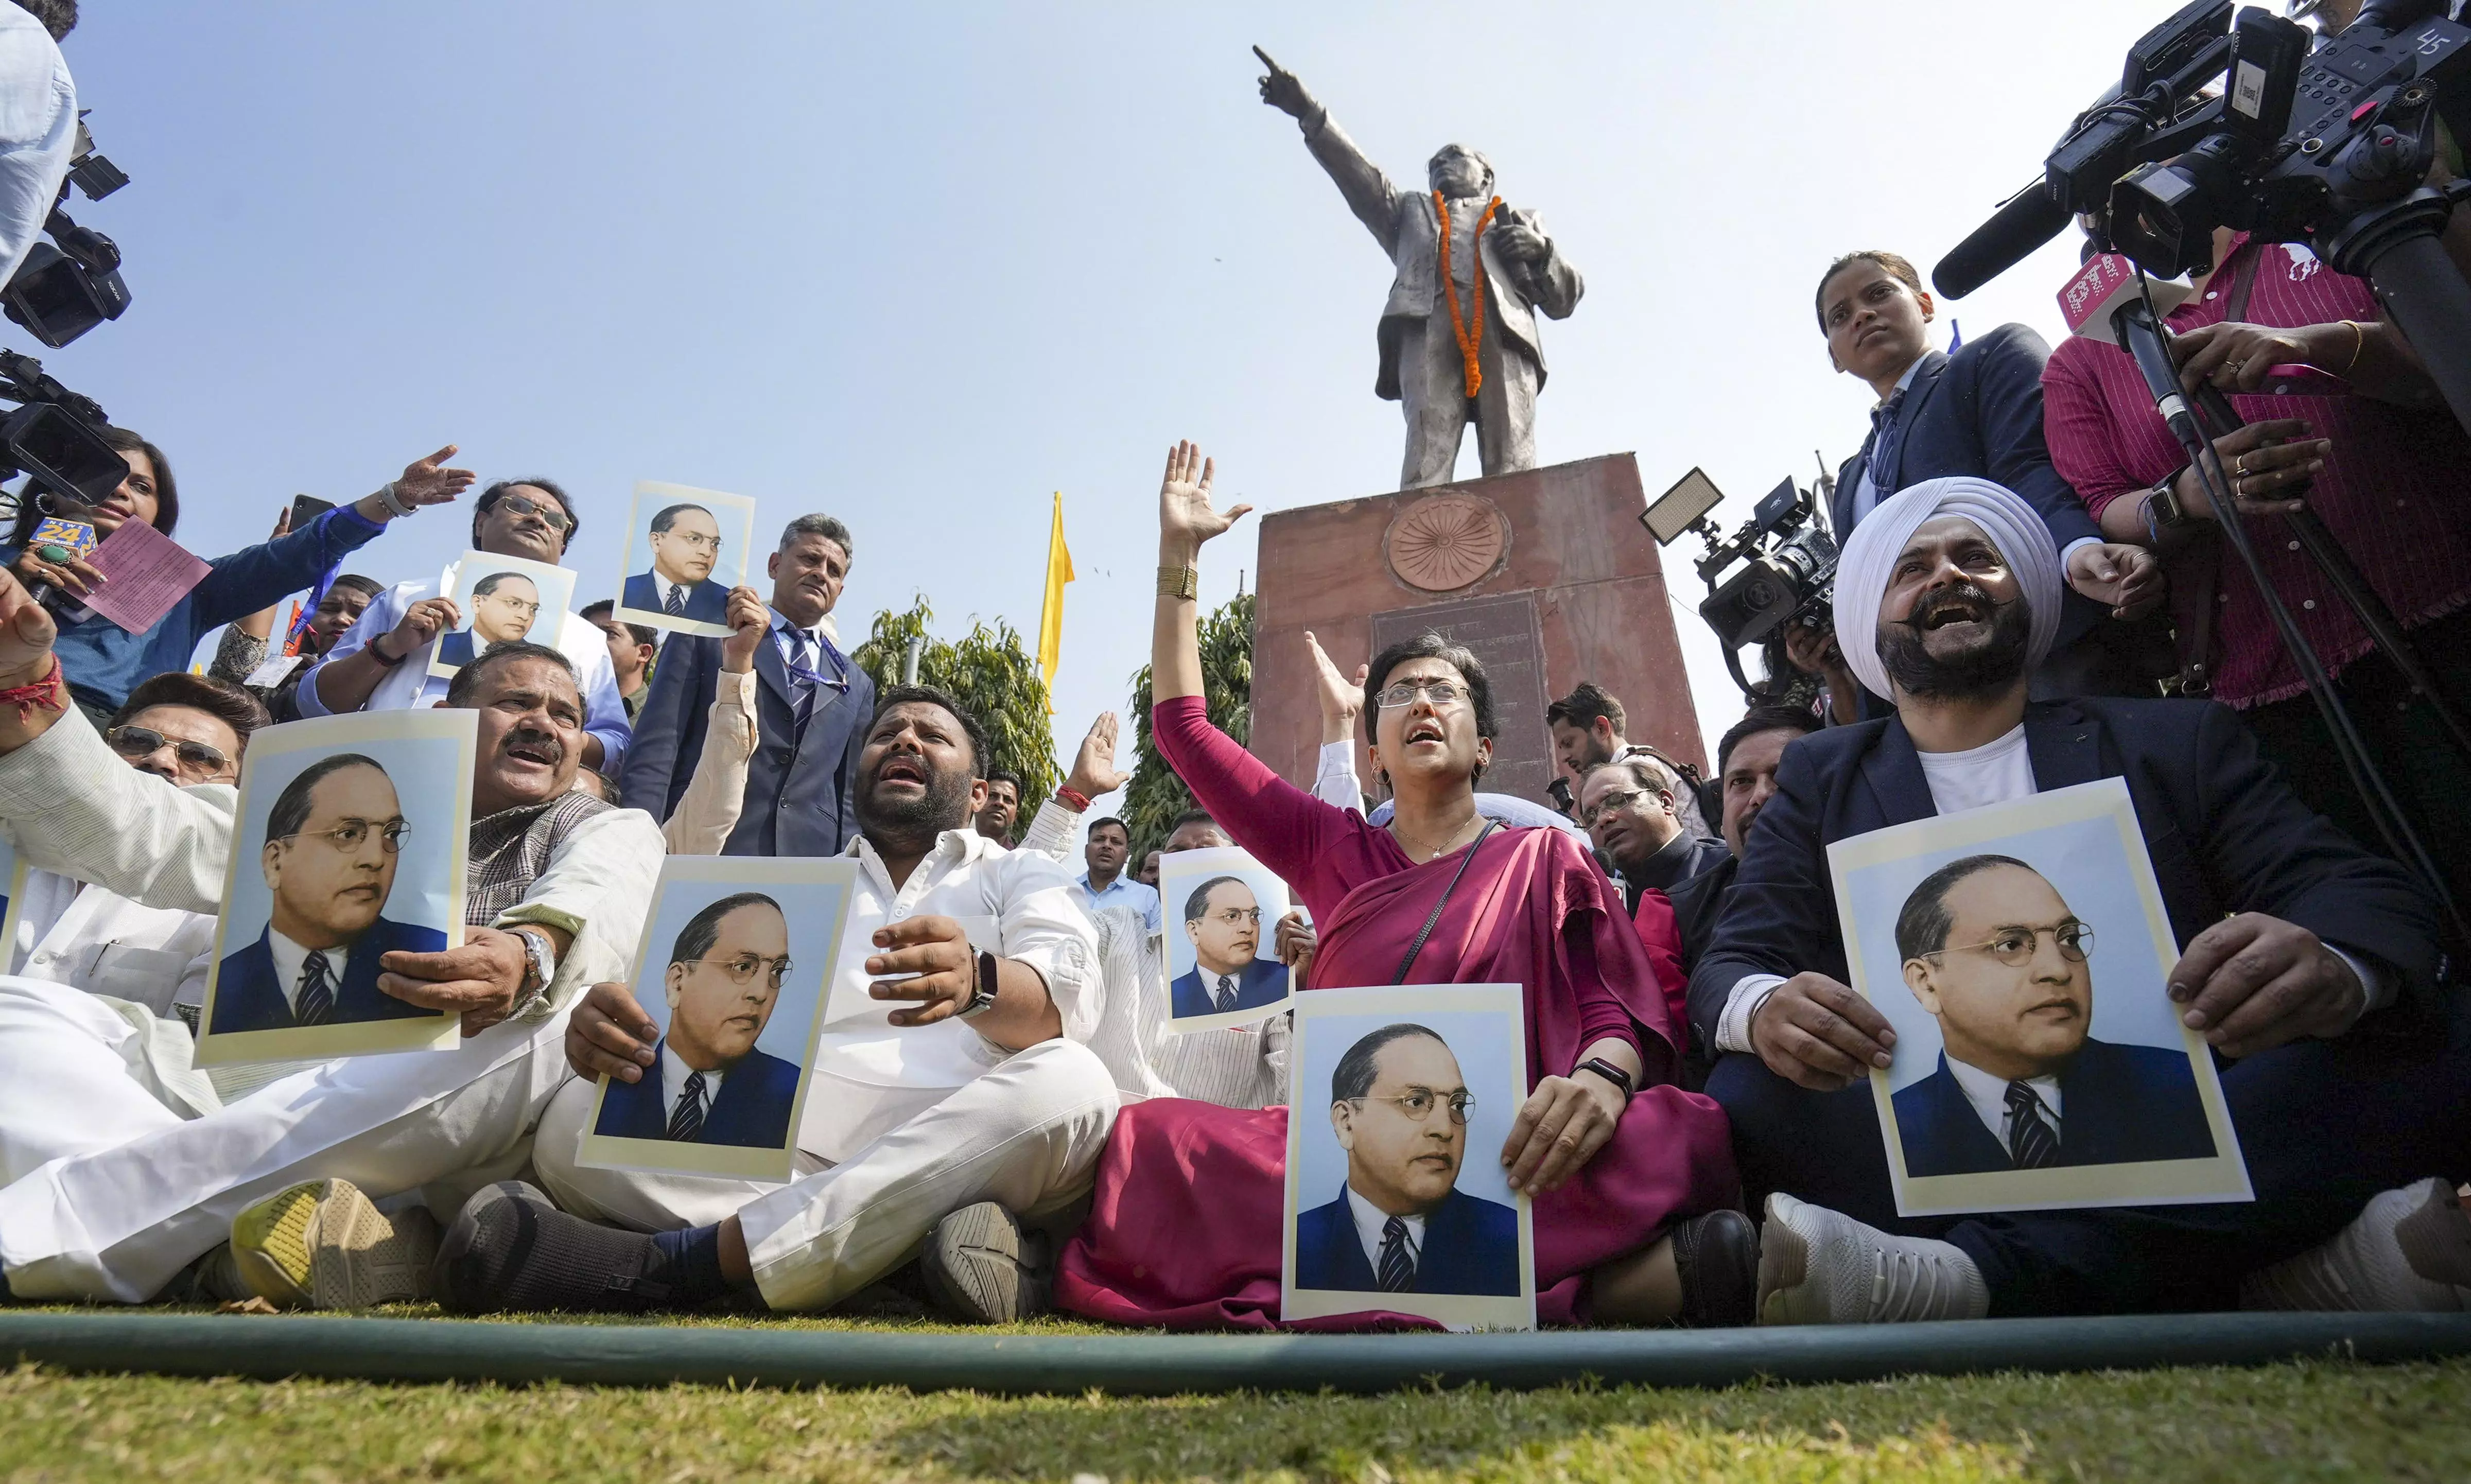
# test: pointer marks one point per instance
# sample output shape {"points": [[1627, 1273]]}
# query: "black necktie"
{"points": [[2032, 1143], [1226, 991], [315, 1006], [1397, 1268], [804, 673], [1887, 447], [676, 602], [686, 1120]]}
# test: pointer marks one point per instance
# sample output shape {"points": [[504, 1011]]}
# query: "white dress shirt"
{"points": [[1017, 905], [1370, 1219], [1996, 773], [1989, 1095], [99, 941], [38, 132], [292, 963], [673, 1085]]}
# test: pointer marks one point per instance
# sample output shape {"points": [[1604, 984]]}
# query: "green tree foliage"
{"points": [[987, 670], [1156, 795]]}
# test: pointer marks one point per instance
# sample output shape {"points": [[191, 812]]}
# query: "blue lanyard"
{"points": [[800, 672]]}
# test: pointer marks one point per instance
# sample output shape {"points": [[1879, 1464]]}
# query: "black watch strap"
{"points": [[1610, 1073]]}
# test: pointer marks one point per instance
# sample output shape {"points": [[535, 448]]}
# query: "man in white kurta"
{"points": [[965, 1092], [125, 1164]]}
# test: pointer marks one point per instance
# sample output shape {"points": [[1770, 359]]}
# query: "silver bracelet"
{"points": [[394, 502]]}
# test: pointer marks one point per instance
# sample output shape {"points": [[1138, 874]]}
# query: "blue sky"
{"points": [[920, 267]]}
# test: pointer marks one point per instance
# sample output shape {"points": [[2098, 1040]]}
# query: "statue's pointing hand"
{"points": [[1282, 91]]}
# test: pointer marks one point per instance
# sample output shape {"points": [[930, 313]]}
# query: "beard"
{"points": [[944, 805], [1985, 670]]}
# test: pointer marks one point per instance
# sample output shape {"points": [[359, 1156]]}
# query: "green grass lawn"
{"points": [[2313, 1421]]}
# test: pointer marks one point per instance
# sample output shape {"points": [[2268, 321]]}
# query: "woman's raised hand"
{"points": [[1186, 518]]}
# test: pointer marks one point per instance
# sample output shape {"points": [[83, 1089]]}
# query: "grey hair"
{"points": [[815, 525]]}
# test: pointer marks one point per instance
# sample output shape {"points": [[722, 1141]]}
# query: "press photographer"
{"points": [[2340, 412], [1977, 411]]}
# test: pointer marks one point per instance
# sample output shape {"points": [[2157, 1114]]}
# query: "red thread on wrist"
{"points": [[1073, 799], [49, 693]]}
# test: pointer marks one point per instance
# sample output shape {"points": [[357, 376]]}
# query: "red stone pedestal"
{"points": [[1547, 574]]}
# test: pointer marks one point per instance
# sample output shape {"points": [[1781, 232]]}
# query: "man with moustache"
{"points": [[1398, 1106], [2308, 966], [780, 670], [130, 1172], [714, 1087], [2021, 1083], [1222, 919], [1746, 764], [505, 605], [333, 840], [686, 546], [953, 1111], [1003, 807]]}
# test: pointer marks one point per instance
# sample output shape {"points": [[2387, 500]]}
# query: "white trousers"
{"points": [[1026, 1135], [111, 1191]]}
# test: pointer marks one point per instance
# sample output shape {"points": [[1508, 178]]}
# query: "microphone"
{"points": [[2093, 297], [2030, 219]]}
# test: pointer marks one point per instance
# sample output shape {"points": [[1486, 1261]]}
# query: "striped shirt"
{"points": [[2395, 491]]}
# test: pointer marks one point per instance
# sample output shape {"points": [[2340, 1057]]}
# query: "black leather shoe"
{"points": [[1718, 1257]]}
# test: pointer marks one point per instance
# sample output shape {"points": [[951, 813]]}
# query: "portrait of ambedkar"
{"points": [[505, 607], [1398, 1106], [1222, 920], [708, 1084], [1991, 951], [333, 840]]}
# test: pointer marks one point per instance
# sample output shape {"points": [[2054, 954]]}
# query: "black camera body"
{"points": [[60, 291], [1779, 570], [51, 436]]}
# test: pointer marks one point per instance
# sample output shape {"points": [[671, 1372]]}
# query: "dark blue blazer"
{"points": [[455, 647], [248, 997], [2118, 1105], [801, 788], [2225, 833], [707, 602], [757, 1096], [1471, 1246], [1263, 982], [1979, 411]]}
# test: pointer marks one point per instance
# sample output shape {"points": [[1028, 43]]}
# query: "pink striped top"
{"points": [[2396, 491]]}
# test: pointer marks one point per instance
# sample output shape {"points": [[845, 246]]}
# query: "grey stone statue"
{"points": [[1423, 365]]}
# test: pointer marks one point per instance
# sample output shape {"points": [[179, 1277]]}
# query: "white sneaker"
{"points": [[1817, 1267], [2409, 1252]]}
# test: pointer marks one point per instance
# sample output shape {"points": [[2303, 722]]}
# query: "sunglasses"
{"points": [[144, 742], [551, 515]]}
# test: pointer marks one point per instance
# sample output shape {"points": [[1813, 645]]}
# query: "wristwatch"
{"points": [[540, 967], [2162, 501], [983, 997], [1609, 1072]]}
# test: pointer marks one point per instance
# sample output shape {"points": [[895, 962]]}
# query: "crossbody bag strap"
{"points": [[1426, 931]]}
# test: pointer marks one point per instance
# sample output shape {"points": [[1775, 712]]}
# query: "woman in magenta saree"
{"points": [[1632, 1195]]}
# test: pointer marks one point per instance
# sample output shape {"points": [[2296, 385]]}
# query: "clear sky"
{"points": [[921, 266]]}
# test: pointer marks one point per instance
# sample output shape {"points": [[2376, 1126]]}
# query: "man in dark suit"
{"points": [[686, 546], [2309, 965], [1991, 951], [1223, 919], [812, 706], [709, 1083], [1976, 412], [1399, 1107], [329, 862], [505, 607]]}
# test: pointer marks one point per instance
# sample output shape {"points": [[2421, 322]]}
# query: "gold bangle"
{"points": [[1179, 582], [2359, 342]]}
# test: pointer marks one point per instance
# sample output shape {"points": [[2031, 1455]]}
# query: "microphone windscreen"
{"points": [[2008, 238]]}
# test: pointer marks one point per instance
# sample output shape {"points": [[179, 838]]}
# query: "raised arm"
{"points": [[1368, 193]]}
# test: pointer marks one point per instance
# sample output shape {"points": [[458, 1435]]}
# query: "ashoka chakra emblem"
{"points": [[1445, 542]]}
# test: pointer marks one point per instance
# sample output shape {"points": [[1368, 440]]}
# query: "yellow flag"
{"points": [[1051, 613]]}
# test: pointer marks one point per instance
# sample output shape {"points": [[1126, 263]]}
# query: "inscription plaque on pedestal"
{"points": [[1545, 573], [1507, 637]]}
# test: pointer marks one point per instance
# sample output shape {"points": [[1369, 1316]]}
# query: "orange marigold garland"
{"points": [[1469, 329]]}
